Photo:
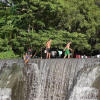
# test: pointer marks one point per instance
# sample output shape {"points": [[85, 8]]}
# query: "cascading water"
{"points": [[5, 94], [83, 89], [58, 79], [10, 79]]}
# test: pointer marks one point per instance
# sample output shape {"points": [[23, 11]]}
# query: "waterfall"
{"points": [[11, 79], [5, 94], [64, 79], [56, 79], [83, 90]]}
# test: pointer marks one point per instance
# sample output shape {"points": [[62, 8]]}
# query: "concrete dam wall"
{"points": [[54, 79]]}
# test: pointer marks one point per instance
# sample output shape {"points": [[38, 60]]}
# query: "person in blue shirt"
{"points": [[26, 58]]}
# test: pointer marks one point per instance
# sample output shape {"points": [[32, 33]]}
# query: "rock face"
{"points": [[11, 82], [54, 79]]}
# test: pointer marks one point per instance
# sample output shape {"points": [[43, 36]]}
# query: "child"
{"points": [[26, 58]]}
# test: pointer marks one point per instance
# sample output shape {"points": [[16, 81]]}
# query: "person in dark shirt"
{"points": [[29, 52]]}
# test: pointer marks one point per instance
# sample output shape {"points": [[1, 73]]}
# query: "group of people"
{"points": [[67, 50]]}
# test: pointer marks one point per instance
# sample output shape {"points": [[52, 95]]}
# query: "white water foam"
{"points": [[5, 94]]}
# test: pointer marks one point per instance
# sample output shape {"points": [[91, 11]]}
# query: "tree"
{"points": [[30, 23]]}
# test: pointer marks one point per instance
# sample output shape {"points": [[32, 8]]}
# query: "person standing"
{"points": [[48, 47], [67, 50]]}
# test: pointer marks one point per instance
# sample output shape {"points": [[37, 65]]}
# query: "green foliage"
{"points": [[97, 47], [31, 23], [8, 54], [4, 45]]}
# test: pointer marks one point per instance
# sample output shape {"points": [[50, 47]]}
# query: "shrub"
{"points": [[8, 54]]}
